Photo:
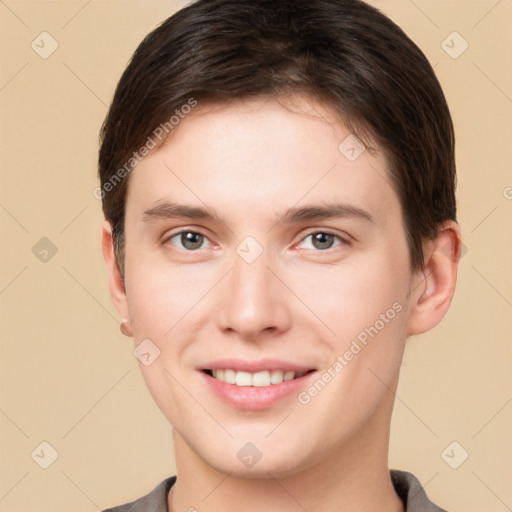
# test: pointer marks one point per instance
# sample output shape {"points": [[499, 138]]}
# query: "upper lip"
{"points": [[255, 366]]}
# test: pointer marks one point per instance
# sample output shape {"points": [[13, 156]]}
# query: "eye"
{"points": [[189, 240], [322, 240]]}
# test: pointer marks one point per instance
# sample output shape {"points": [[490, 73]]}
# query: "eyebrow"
{"points": [[170, 210], [324, 211]]}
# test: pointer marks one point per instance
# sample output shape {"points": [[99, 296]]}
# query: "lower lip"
{"points": [[255, 398]]}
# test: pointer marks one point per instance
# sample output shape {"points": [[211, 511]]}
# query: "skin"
{"points": [[299, 302]]}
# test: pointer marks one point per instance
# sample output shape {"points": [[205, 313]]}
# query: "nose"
{"points": [[253, 302]]}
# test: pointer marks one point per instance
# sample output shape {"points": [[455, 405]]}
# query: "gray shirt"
{"points": [[407, 486]]}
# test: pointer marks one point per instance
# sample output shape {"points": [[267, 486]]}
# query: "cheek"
{"points": [[158, 296], [366, 309], [349, 297], [168, 305]]}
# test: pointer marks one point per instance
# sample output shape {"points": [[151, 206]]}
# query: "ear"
{"points": [[115, 279], [433, 287]]}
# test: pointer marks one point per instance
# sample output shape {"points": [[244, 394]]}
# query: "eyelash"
{"points": [[342, 241]]}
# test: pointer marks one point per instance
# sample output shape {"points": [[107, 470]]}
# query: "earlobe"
{"points": [[433, 291], [115, 279]]}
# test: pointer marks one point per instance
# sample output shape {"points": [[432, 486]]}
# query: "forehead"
{"points": [[245, 157]]}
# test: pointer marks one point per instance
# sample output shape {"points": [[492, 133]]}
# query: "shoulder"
{"points": [[155, 501], [411, 492], [406, 485]]}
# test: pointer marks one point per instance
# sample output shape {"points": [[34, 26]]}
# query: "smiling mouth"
{"points": [[263, 378]]}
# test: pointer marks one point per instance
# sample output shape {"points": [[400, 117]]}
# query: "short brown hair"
{"points": [[344, 53]]}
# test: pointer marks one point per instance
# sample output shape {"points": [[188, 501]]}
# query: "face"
{"points": [[258, 249]]}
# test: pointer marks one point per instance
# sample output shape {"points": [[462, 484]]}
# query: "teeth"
{"points": [[261, 379], [276, 376], [288, 375], [258, 379], [230, 376], [243, 379]]}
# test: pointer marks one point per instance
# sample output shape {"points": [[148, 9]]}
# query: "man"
{"points": [[278, 186]]}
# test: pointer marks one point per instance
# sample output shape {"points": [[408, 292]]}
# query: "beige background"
{"points": [[68, 377]]}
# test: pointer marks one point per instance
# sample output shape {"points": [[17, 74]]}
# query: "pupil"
{"points": [[324, 240], [191, 240]]}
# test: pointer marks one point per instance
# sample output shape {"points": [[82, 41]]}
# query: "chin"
{"points": [[261, 459], [263, 469]]}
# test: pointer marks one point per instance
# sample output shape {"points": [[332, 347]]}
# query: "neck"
{"points": [[353, 478]]}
